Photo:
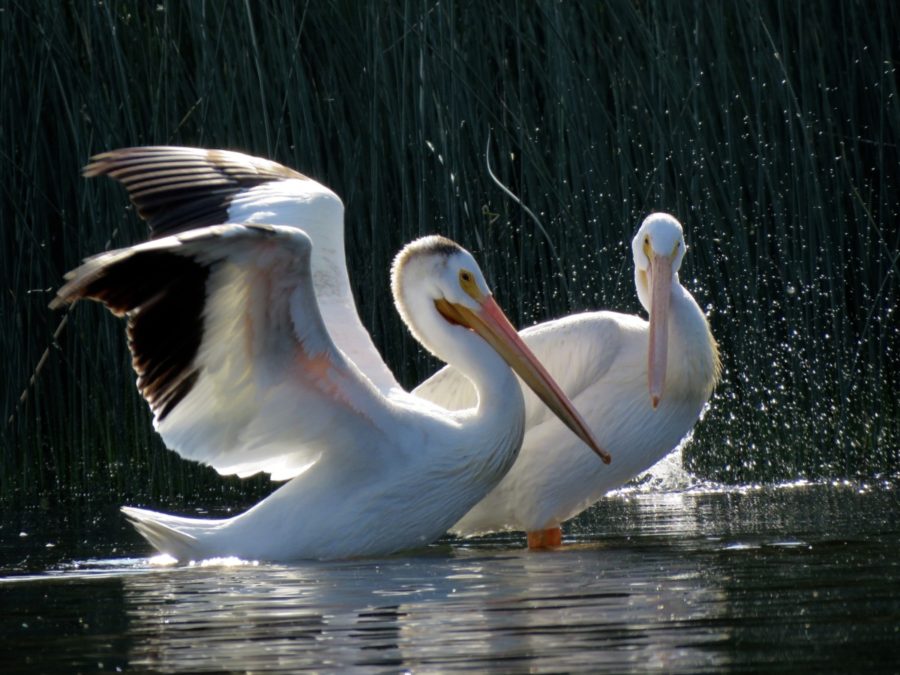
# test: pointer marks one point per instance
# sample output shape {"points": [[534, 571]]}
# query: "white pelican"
{"points": [[234, 352], [640, 386]]}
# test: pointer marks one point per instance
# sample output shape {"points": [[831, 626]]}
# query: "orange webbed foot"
{"points": [[544, 539]]}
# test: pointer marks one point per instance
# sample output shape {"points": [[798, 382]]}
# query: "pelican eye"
{"points": [[468, 284]]}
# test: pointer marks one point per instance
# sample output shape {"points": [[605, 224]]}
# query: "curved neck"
{"points": [[496, 385], [491, 432]]}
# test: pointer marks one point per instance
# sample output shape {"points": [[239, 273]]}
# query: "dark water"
{"points": [[803, 577]]}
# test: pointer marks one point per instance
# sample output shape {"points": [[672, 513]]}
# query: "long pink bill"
{"points": [[660, 298], [491, 324]]}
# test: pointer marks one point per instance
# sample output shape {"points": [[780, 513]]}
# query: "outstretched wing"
{"points": [[231, 351], [177, 189]]}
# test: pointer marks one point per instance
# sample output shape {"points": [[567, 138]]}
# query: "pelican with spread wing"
{"points": [[250, 353], [641, 385]]}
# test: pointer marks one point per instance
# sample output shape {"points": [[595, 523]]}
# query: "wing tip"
{"points": [[232, 163]]}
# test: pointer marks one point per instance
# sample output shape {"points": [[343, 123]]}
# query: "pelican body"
{"points": [[251, 356], [640, 385]]}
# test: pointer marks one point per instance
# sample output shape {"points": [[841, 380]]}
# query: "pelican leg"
{"points": [[543, 539]]}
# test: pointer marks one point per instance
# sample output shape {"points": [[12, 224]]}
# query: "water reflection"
{"points": [[588, 605], [692, 581]]}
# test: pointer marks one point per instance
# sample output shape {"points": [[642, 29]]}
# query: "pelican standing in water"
{"points": [[233, 332], [640, 385]]}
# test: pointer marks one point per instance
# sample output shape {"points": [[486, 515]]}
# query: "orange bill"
{"points": [[660, 297], [492, 325]]}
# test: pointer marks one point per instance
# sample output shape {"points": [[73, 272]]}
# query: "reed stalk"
{"points": [[770, 129]]}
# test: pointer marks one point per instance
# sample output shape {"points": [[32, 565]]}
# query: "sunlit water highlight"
{"points": [[704, 578]]}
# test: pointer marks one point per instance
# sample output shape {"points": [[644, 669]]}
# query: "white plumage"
{"points": [[604, 363], [251, 355]]}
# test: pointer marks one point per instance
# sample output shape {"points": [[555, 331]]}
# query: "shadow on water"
{"points": [[796, 577]]}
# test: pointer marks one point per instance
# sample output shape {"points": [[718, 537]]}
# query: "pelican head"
{"points": [[658, 249], [443, 298], [441, 270]]}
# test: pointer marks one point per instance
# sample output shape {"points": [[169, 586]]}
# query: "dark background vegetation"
{"points": [[770, 129]]}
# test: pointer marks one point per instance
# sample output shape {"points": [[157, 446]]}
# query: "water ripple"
{"points": [[678, 582]]}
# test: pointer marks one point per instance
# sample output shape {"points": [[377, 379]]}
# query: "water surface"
{"points": [[802, 577]]}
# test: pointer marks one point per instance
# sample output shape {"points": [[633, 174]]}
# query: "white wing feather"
{"points": [[269, 389], [315, 209], [274, 392], [176, 189]]}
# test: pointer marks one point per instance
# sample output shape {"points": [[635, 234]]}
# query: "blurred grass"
{"points": [[769, 128]]}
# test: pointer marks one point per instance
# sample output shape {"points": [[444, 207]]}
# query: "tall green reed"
{"points": [[769, 129]]}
